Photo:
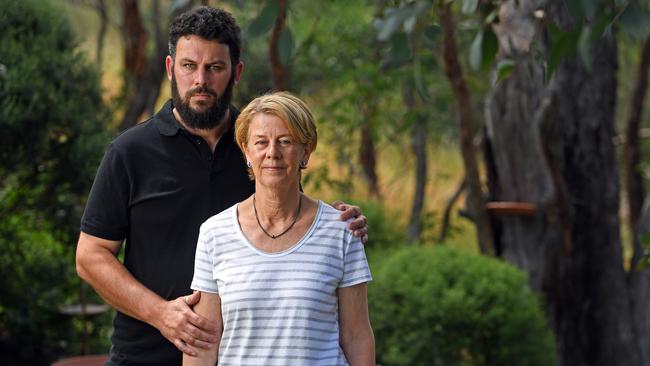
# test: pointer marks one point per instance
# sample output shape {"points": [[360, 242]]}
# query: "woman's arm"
{"points": [[209, 307], [356, 336]]}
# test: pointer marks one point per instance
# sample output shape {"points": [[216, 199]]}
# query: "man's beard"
{"points": [[212, 115]]}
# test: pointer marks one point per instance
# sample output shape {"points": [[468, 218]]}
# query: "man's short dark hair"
{"points": [[207, 23]]}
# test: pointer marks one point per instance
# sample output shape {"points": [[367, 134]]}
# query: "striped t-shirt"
{"points": [[279, 308]]}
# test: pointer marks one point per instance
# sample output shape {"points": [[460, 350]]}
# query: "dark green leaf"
{"points": [[575, 9], [400, 52], [635, 21], [563, 44], [420, 86], [469, 6], [489, 48], [504, 69], [432, 32], [264, 21], [285, 46], [591, 7]]}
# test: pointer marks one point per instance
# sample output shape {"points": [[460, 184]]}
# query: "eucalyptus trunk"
{"points": [[552, 146]]}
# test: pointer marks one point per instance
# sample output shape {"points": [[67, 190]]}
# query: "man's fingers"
{"points": [[203, 336], [192, 299], [203, 324], [350, 212], [183, 347], [360, 223]]}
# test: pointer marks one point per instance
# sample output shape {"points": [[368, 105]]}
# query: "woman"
{"points": [[281, 274]]}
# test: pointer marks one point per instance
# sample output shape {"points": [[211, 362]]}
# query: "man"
{"points": [[157, 183]]}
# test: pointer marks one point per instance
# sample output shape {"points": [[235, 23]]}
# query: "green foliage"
{"points": [[52, 118], [33, 269], [51, 112], [438, 306]]}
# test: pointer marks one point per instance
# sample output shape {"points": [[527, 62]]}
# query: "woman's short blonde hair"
{"points": [[286, 106]]}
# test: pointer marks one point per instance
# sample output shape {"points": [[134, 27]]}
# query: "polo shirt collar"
{"points": [[169, 126]]}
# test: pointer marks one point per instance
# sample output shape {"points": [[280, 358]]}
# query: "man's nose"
{"points": [[200, 77]]}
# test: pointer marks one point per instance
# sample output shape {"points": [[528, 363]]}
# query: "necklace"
{"points": [[295, 218]]}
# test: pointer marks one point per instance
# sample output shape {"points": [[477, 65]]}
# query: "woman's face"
{"points": [[274, 154]]}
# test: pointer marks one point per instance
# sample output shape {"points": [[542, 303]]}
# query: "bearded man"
{"points": [[157, 183]]}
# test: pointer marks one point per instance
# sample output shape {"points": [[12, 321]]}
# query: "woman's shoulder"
{"points": [[331, 217], [222, 220]]}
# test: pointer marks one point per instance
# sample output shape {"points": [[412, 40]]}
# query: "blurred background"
{"points": [[498, 147]]}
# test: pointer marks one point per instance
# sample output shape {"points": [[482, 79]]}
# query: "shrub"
{"points": [[438, 306]]}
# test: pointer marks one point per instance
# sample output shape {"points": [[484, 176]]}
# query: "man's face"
{"points": [[202, 78]]}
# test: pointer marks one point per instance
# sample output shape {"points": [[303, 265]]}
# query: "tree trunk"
{"points": [[101, 34], [419, 146], [144, 75], [367, 156], [475, 199], [279, 72], [552, 146]]}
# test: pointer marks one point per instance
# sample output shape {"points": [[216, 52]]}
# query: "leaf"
{"points": [[635, 21], [409, 23], [475, 51], [400, 52], [590, 7], [469, 6], [420, 86], [432, 32], [264, 21], [504, 69], [388, 26], [575, 9], [584, 46], [285, 46], [489, 48], [563, 44], [177, 5]]}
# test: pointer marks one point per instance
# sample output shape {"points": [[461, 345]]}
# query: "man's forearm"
{"points": [[108, 276]]}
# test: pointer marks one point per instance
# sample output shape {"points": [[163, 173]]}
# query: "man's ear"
{"points": [[169, 65], [239, 70]]}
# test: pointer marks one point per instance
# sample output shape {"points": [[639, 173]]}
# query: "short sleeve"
{"points": [[355, 264], [203, 279], [106, 215]]}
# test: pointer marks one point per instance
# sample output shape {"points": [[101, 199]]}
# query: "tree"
{"points": [[53, 118], [552, 146]]}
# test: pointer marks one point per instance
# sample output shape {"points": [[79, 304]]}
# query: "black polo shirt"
{"points": [[156, 185]]}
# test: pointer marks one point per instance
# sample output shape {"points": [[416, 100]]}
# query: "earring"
{"points": [[303, 163], [249, 164]]}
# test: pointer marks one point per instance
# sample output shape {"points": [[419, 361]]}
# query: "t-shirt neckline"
{"points": [[287, 251]]}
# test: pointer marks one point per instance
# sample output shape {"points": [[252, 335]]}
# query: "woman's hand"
{"points": [[359, 225]]}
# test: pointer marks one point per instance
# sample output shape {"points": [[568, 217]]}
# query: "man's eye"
{"points": [[215, 68], [189, 66]]}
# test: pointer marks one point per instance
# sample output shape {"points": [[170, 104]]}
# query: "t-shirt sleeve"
{"points": [[203, 279], [106, 215], [355, 264]]}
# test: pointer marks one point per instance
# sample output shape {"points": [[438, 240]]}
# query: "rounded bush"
{"points": [[439, 306]]}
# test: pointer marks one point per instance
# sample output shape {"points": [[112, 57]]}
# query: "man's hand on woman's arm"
{"points": [[359, 225], [98, 265]]}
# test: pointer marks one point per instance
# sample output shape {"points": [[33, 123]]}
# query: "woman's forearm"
{"points": [[359, 348]]}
